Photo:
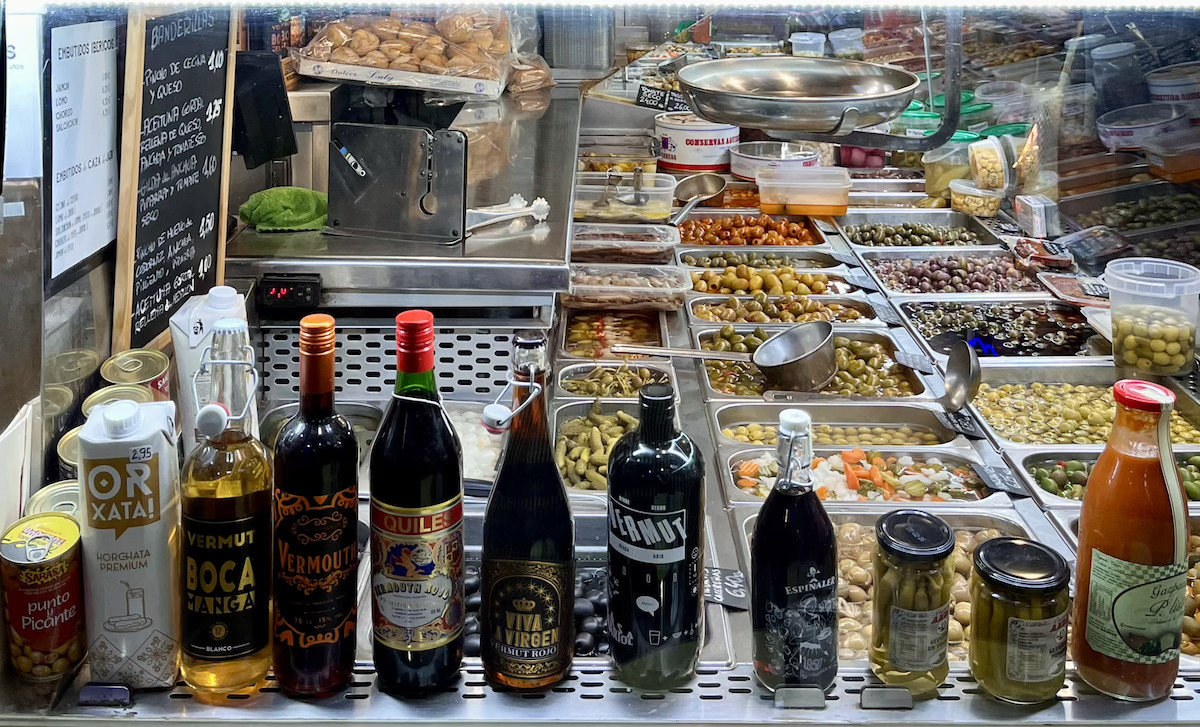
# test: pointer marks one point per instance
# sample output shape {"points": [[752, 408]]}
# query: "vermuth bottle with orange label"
{"points": [[417, 598], [316, 529], [1132, 573]]}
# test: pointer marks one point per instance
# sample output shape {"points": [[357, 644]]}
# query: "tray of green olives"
{"points": [[1136, 207], [876, 229], [1058, 478], [780, 310]]}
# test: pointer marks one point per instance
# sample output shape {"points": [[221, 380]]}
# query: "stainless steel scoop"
{"points": [[798, 359], [695, 189]]}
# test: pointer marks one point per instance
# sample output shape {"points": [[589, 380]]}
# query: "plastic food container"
{"points": [[627, 287], [976, 117], [1094, 248], [634, 51], [989, 164], [607, 243], [939, 101], [1078, 289], [1128, 129], [861, 157], [691, 144], [913, 123], [949, 161], [848, 43], [1045, 184], [1009, 99], [808, 44], [819, 191], [598, 201], [1037, 216], [1177, 84], [1154, 306], [966, 197], [929, 83], [746, 158], [1176, 155], [1077, 121], [601, 158]]}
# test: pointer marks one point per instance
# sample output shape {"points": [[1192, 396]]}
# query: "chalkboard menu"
{"points": [[176, 225]]}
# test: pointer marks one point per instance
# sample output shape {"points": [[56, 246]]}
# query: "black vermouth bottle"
{"points": [[655, 542], [793, 578]]}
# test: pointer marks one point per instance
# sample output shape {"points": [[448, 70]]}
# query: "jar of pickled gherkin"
{"points": [[1019, 605], [913, 574]]}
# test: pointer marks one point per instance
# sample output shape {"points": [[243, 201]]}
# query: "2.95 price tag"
{"points": [[727, 587]]}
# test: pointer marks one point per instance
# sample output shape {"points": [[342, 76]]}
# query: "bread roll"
{"points": [[468, 49], [431, 46], [461, 63], [338, 34], [433, 64], [394, 48], [344, 55], [375, 59], [500, 47], [363, 41], [483, 38], [405, 62], [455, 28]]}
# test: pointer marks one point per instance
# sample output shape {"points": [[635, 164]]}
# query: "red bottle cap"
{"points": [[414, 341], [1142, 395]]}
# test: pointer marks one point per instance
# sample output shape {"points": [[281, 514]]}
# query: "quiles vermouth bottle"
{"points": [[417, 598], [527, 623], [227, 531], [316, 529]]}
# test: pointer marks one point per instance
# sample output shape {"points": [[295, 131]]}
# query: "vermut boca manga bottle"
{"points": [[655, 546], [417, 600], [1131, 582], [316, 529], [793, 572], [527, 623], [226, 576]]}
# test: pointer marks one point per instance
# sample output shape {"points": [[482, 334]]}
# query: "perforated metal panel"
{"points": [[472, 363]]}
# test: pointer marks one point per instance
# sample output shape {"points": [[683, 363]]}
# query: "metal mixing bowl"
{"points": [[790, 93]]}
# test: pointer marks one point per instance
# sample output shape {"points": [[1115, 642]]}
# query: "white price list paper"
{"points": [[83, 69]]}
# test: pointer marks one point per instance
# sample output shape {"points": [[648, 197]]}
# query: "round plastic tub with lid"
{"points": [[1118, 77], [990, 167], [808, 44], [691, 144], [1127, 129], [1009, 99], [1044, 184], [939, 101], [1179, 83], [976, 117], [930, 84], [949, 161], [969, 199], [1154, 305], [848, 43], [913, 123]]}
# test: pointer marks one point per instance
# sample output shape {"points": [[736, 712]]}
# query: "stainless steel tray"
{"points": [[575, 371], [1026, 457], [995, 298], [869, 255], [579, 408], [885, 200], [837, 285], [860, 304], [1071, 186], [1087, 164], [737, 497], [925, 386], [821, 259], [939, 217], [1072, 208], [714, 213], [859, 184], [570, 314]]}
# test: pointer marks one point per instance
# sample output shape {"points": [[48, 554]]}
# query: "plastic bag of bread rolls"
{"points": [[529, 73]]}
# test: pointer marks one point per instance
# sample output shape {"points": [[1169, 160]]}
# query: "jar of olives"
{"points": [[913, 575], [1154, 305], [1019, 606]]}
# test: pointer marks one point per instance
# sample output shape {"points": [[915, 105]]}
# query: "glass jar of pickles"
{"points": [[913, 574], [1019, 606]]}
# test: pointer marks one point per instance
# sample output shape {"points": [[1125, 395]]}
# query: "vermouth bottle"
{"points": [[416, 526], [227, 531], [316, 529], [793, 572], [655, 541], [527, 622]]}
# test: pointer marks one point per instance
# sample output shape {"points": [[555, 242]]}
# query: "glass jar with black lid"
{"points": [[1019, 611], [914, 574]]}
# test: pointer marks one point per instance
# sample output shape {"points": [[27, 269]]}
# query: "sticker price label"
{"points": [[961, 422], [915, 361], [728, 587]]}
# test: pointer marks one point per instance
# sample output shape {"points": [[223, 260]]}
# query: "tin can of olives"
{"points": [[75, 370], [58, 404], [43, 595], [136, 393], [68, 454], [142, 366], [62, 496]]}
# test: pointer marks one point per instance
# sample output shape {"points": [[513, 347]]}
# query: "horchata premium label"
{"points": [[316, 557], [529, 619], [227, 586], [417, 574]]}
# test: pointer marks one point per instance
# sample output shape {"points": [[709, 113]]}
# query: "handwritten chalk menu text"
{"points": [[179, 173]]}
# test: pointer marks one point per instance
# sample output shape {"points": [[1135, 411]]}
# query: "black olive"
{"points": [[471, 583], [602, 648], [585, 644], [584, 608], [471, 624], [593, 594], [601, 604], [591, 624], [471, 645], [474, 601]]}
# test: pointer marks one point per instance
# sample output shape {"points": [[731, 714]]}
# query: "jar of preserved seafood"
{"points": [[913, 574], [1019, 605]]}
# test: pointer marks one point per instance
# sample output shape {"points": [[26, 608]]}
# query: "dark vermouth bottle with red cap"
{"points": [[417, 599]]}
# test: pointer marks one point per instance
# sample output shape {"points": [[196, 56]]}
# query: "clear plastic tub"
{"points": [[1128, 129], [596, 201], [990, 167], [1175, 153], [913, 123], [1154, 307], [848, 43], [1045, 185], [607, 243], [930, 84], [1094, 248], [819, 191], [1009, 99], [627, 287], [969, 199], [949, 161], [976, 117], [939, 101], [808, 44]]}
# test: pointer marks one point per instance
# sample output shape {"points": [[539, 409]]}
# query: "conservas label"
{"points": [[1037, 648], [417, 574], [316, 558], [918, 639], [226, 593], [528, 618], [1135, 611]]}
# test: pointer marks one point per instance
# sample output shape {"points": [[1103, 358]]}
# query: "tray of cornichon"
{"points": [[1134, 207], [865, 358], [973, 272], [914, 228], [856, 547], [1002, 330], [1057, 404], [584, 435], [774, 310], [874, 425], [1058, 477], [611, 379], [736, 229]]}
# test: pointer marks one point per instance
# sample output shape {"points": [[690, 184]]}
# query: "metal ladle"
{"points": [[798, 359], [695, 189], [963, 375]]}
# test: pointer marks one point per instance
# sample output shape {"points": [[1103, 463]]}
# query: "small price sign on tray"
{"points": [[662, 99]]}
